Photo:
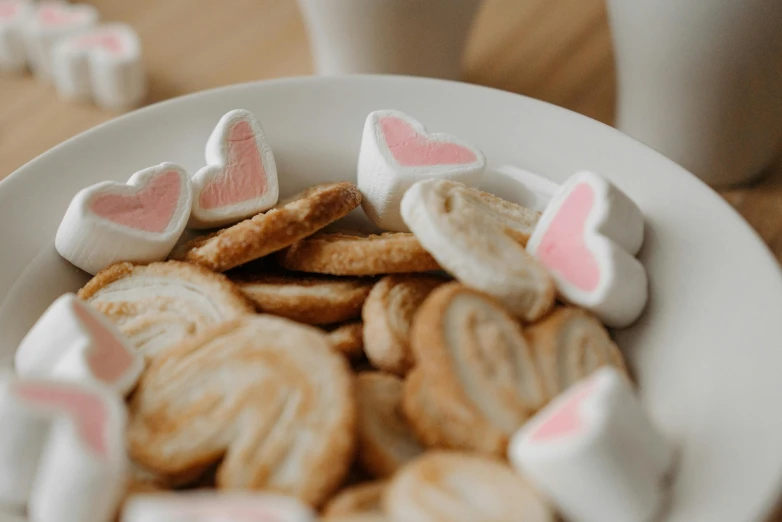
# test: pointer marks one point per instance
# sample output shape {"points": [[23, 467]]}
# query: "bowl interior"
{"points": [[706, 352]]}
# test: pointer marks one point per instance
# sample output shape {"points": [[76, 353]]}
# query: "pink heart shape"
{"points": [[110, 42], [9, 10], [563, 247], [110, 359], [51, 15], [564, 421], [243, 177], [410, 148], [85, 409], [150, 209]]}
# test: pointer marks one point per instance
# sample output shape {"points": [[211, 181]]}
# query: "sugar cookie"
{"points": [[568, 345], [52, 21], [102, 65], [358, 255], [363, 499], [240, 177], [264, 394], [473, 243], [588, 237], [216, 507], [458, 487], [388, 314], [289, 221], [304, 298], [13, 15], [476, 379], [595, 453], [138, 221], [159, 305], [62, 449], [71, 341], [385, 441], [396, 151], [348, 339]]}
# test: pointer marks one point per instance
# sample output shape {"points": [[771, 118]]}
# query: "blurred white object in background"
{"points": [[701, 82], [413, 37]]}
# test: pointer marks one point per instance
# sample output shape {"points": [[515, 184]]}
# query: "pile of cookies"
{"points": [[391, 377]]}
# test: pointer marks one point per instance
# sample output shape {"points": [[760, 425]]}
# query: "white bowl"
{"points": [[707, 352]]}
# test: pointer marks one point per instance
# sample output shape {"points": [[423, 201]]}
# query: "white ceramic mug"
{"points": [[701, 82], [413, 37]]}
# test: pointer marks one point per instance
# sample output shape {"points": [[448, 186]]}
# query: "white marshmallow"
{"points": [[52, 21], [396, 152], [103, 65], [240, 177], [73, 342], [595, 453], [587, 237], [62, 448], [140, 221], [215, 507], [13, 16]]}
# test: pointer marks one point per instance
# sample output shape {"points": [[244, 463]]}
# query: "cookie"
{"points": [[474, 243], [348, 339], [570, 344], [159, 305], [476, 381], [363, 499], [517, 219], [264, 396], [457, 487], [358, 255], [387, 314], [385, 441], [289, 221], [306, 299]]}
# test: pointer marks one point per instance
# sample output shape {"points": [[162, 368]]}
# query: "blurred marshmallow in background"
{"points": [[411, 37], [701, 82]]}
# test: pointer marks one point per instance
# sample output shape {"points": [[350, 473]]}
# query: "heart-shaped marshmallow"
{"points": [[51, 22], [71, 341], [396, 152], [140, 221], [240, 177], [588, 237], [595, 453], [62, 448], [216, 507], [103, 65], [13, 15]]}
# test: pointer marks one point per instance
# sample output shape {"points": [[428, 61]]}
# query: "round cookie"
{"points": [[265, 397], [348, 339], [362, 499], [289, 221], [357, 255], [161, 304], [458, 487], [385, 441], [475, 381], [306, 299], [388, 314], [569, 345]]}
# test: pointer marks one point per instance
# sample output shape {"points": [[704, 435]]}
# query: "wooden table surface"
{"points": [[558, 51]]}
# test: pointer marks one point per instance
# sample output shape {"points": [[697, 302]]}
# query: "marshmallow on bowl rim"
{"points": [[13, 16], [588, 237], [140, 221], [51, 21], [215, 507], [240, 176], [73, 342], [595, 453], [103, 65], [396, 152], [63, 450]]}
